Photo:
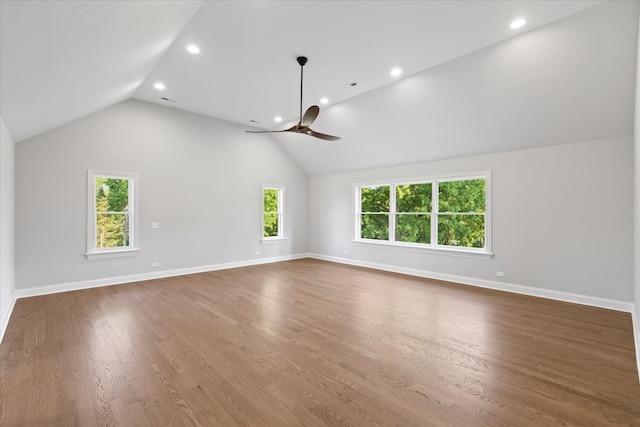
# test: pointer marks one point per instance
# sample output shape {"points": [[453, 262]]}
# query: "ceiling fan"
{"points": [[305, 120]]}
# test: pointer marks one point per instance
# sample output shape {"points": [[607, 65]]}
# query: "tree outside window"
{"points": [[435, 213], [111, 214], [272, 202]]}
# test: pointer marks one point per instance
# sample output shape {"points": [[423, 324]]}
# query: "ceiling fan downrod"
{"points": [[305, 120], [302, 60]]}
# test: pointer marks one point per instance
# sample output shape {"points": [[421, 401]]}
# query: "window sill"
{"points": [[271, 240], [461, 252], [116, 253]]}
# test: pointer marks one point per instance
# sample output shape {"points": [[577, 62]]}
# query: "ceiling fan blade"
{"points": [[309, 116], [291, 129], [322, 135], [267, 131]]}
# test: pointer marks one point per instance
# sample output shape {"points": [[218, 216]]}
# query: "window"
{"points": [[111, 215], [272, 218], [444, 213], [413, 216], [375, 213], [461, 213]]}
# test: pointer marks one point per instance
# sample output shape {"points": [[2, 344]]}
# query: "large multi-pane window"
{"points": [[111, 210], [272, 217], [446, 213]]}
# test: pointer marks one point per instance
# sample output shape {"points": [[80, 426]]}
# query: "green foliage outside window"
{"points": [[460, 217], [374, 222], [375, 226], [413, 205], [374, 199], [112, 216], [463, 201], [462, 196], [461, 230], [270, 209]]}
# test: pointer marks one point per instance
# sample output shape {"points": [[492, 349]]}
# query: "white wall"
{"points": [[200, 178], [562, 218], [7, 202]]}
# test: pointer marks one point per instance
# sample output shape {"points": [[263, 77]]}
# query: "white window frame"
{"points": [[94, 252], [433, 247], [281, 217]]}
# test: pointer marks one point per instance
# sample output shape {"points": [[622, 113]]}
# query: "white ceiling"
{"points": [[61, 60], [470, 83], [247, 69], [570, 81]]}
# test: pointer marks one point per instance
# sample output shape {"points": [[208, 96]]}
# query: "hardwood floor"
{"points": [[313, 343]]}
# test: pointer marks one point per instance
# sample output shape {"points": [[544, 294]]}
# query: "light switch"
{"points": [[155, 225]]}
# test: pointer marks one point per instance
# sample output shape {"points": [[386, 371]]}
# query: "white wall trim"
{"points": [[636, 336], [490, 284], [5, 321], [118, 280], [428, 249]]}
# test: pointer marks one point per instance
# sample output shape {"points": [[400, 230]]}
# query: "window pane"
{"points": [[413, 198], [461, 230], [375, 226], [270, 225], [271, 199], [112, 195], [374, 199], [413, 228], [112, 230], [462, 196]]}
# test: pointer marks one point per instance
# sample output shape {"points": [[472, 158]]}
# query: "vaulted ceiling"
{"points": [[470, 84]]}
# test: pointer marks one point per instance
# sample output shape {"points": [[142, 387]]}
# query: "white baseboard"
{"points": [[5, 321], [627, 307], [636, 336], [118, 280]]}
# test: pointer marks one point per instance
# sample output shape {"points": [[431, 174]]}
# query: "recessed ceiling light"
{"points": [[159, 86], [278, 119], [517, 23], [192, 48], [324, 101], [396, 72]]}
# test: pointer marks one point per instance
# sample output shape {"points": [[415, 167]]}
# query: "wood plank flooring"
{"points": [[308, 342]]}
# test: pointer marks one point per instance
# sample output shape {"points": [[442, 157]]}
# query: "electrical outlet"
{"points": [[500, 273], [257, 252], [155, 225], [155, 264]]}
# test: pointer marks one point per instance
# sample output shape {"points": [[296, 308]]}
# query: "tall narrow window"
{"points": [[111, 214], [272, 216]]}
